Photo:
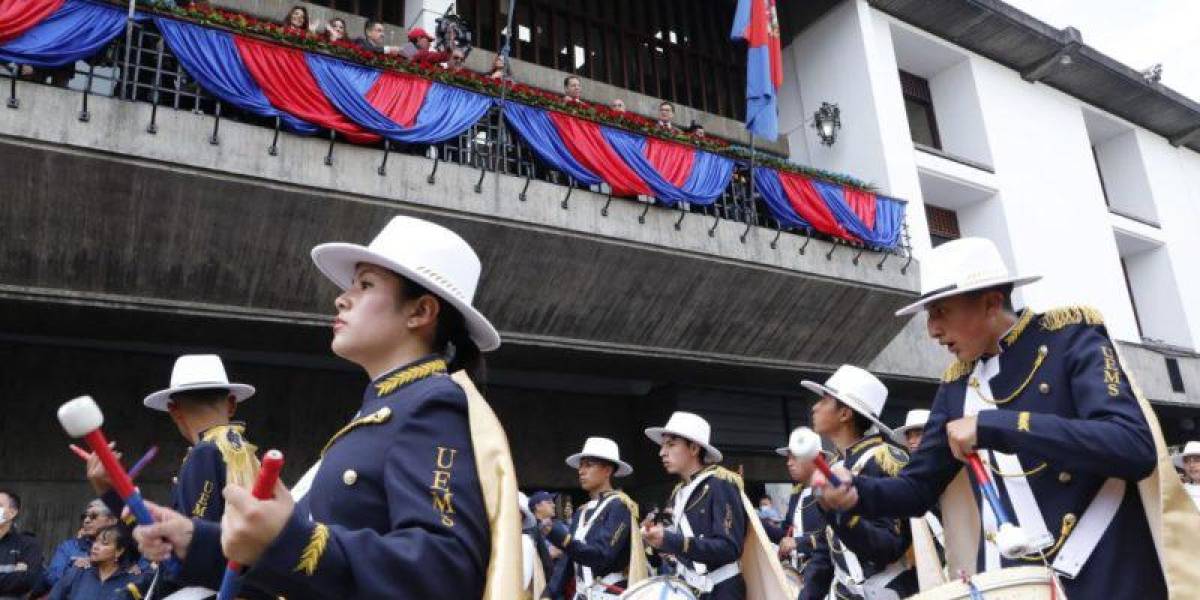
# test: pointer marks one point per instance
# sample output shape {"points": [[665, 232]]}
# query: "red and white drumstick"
{"points": [[264, 489], [81, 418], [1011, 540], [805, 445]]}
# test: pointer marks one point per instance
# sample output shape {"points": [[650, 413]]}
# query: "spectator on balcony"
{"points": [[618, 105], [457, 58], [372, 39], [296, 22], [695, 129], [418, 47], [572, 89], [498, 68], [666, 114], [334, 30]]}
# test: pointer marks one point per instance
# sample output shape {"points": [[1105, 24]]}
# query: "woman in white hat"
{"points": [[603, 547], [395, 507], [867, 554]]}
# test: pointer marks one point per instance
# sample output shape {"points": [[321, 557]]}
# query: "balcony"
{"points": [[137, 191]]}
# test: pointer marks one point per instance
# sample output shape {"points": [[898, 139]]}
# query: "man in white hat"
{"points": [[709, 531], [867, 554], [201, 401], [1044, 401], [803, 529], [602, 547], [913, 428], [1188, 461]]}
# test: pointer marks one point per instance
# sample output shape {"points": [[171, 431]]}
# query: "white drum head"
{"points": [[660, 588]]}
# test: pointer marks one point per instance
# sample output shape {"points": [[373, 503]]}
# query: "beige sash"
{"points": [[761, 568], [498, 480]]}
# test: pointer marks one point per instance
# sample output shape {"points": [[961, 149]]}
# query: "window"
{"points": [[1132, 299], [1174, 375], [1100, 176], [943, 225], [918, 105], [676, 50]]}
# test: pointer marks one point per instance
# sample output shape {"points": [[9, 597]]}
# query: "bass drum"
{"points": [[1017, 583], [795, 581], [660, 588]]}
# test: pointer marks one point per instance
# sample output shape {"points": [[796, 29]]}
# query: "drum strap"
{"points": [[935, 526], [586, 578], [698, 575], [1092, 525]]}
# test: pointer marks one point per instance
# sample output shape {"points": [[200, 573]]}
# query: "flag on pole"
{"points": [[757, 22]]}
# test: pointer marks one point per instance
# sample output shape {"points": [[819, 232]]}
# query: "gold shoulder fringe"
{"points": [[890, 458], [957, 370], [723, 473], [241, 465], [1055, 319]]}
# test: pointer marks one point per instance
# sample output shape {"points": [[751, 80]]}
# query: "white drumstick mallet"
{"points": [[805, 445]]}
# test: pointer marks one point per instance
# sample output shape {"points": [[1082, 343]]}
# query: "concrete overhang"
{"points": [[1037, 50], [103, 215]]}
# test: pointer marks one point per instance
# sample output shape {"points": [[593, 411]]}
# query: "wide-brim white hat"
{"points": [[425, 253], [961, 266], [688, 426], [197, 372], [915, 419], [1189, 449], [858, 389], [603, 449]]}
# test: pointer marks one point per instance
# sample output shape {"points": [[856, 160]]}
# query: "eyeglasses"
{"points": [[91, 516]]}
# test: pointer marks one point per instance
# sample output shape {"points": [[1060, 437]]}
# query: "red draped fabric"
{"points": [[17, 16], [863, 205], [672, 161], [399, 96], [585, 142], [283, 75], [809, 204]]}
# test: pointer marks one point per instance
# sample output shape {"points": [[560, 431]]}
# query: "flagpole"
{"points": [[504, 79], [128, 44], [750, 208]]}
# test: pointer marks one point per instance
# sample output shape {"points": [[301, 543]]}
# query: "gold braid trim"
{"points": [[241, 465], [313, 551], [1068, 525], [890, 459], [727, 475], [380, 416], [133, 591], [629, 504], [1022, 322], [1042, 352], [957, 370], [1053, 320], [409, 375]]}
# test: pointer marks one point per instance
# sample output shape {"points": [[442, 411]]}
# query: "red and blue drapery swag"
{"points": [[308, 92]]}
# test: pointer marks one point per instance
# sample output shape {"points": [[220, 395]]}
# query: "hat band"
{"points": [[941, 290]]}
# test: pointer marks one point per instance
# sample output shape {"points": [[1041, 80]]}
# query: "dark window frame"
{"points": [[916, 90]]}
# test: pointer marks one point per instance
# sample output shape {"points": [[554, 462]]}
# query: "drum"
{"points": [[795, 581], [660, 588], [1017, 583]]}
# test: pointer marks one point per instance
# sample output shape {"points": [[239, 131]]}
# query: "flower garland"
{"points": [[244, 24]]}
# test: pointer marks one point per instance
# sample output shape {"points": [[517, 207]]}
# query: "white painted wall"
{"points": [[1125, 178], [424, 13]]}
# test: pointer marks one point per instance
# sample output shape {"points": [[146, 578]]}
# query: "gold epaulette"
{"points": [[241, 466], [1053, 320], [630, 504], [890, 458], [957, 370], [723, 473]]}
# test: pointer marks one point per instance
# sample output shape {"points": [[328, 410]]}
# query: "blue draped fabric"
{"points": [[766, 181], [77, 30], [448, 111], [212, 59], [710, 174], [835, 198], [889, 221], [536, 128]]}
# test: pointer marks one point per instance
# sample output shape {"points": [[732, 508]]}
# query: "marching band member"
{"points": [[1044, 399], [1188, 461], [868, 555], [803, 529], [718, 547], [603, 546], [929, 540], [416, 496], [201, 401]]}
